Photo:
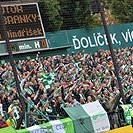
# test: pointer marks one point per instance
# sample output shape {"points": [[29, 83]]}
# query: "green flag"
{"points": [[48, 79]]}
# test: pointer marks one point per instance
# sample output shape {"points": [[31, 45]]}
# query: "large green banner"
{"points": [[94, 39], [127, 108]]}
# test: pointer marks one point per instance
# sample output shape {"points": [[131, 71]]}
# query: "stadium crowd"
{"points": [[77, 79]]}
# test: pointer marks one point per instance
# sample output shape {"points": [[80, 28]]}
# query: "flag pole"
{"points": [[116, 69]]}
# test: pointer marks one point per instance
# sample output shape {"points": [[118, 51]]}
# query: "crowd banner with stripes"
{"points": [[89, 118], [56, 126]]}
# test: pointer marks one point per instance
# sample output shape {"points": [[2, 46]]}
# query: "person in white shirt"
{"points": [[15, 109]]}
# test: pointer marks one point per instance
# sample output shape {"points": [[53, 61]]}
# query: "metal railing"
{"points": [[30, 119], [37, 110]]}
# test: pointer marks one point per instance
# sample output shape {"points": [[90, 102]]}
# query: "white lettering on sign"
{"points": [[128, 36], [59, 127], [46, 130], [24, 47], [98, 39], [37, 44]]}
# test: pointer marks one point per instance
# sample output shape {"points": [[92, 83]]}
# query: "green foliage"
{"points": [[122, 10], [7, 0], [51, 18], [75, 14], [82, 14], [65, 14], [72, 14]]}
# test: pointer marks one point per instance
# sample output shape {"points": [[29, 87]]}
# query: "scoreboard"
{"points": [[24, 27]]}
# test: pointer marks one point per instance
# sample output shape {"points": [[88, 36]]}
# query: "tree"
{"points": [[7, 0], [75, 14], [122, 10], [51, 18], [83, 14], [116, 11], [110, 19]]}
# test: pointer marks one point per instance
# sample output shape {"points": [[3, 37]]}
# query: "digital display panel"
{"points": [[23, 22]]}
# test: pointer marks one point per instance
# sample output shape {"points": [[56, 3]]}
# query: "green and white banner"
{"points": [[98, 115], [89, 118], [57, 126], [127, 109]]}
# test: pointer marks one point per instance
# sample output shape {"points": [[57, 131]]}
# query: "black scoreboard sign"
{"points": [[23, 22]]}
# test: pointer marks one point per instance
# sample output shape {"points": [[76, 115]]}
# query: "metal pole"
{"points": [[5, 36], [116, 69], [44, 116], [26, 120]]}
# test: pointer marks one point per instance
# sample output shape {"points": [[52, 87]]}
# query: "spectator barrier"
{"points": [[117, 119], [89, 117], [57, 126]]}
